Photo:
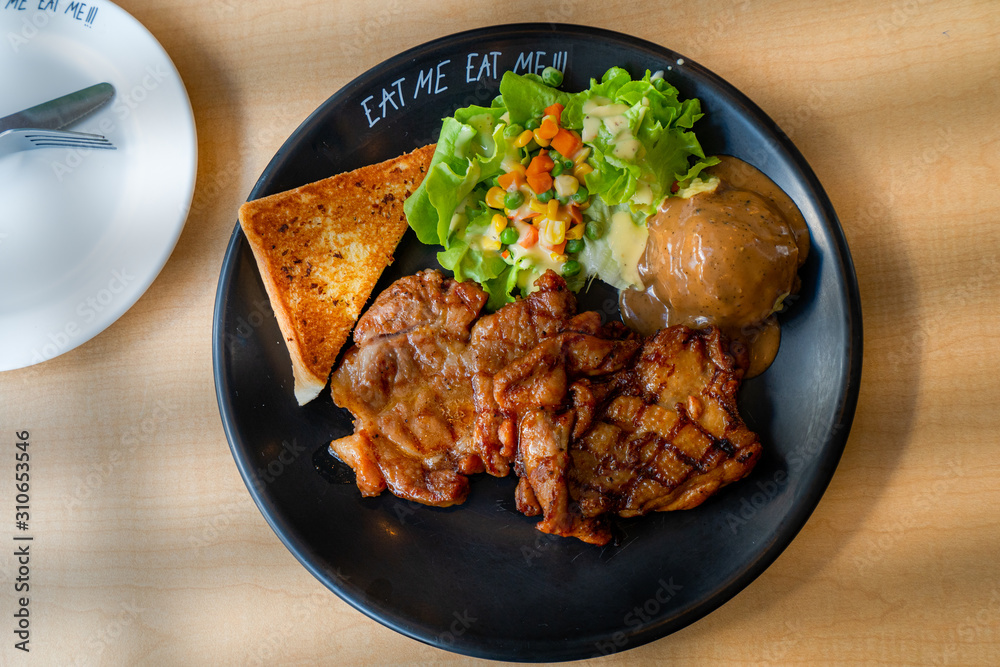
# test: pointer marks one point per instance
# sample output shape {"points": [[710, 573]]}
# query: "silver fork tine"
{"points": [[42, 143], [13, 141], [61, 134], [64, 138]]}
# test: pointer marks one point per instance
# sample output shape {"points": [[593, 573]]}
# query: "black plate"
{"points": [[478, 579]]}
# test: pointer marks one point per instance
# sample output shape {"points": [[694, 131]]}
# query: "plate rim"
{"points": [[794, 520], [183, 206]]}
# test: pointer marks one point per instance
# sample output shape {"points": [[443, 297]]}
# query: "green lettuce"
{"points": [[623, 237], [662, 125], [527, 97], [467, 153], [448, 207]]}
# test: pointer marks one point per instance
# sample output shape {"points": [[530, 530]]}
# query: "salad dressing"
{"points": [[612, 117], [725, 257], [548, 179], [631, 241]]}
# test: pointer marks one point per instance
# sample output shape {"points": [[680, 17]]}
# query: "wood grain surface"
{"points": [[149, 550]]}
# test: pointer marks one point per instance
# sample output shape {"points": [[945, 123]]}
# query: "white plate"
{"points": [[82, 235]]}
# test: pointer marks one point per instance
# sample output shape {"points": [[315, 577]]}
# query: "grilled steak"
{"points": [[597, 421], [623, 427], [419, 383]]}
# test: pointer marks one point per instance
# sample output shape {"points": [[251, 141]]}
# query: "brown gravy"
{"points": [[722, 258]]}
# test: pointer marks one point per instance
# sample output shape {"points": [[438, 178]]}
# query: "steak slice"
{"points": [[406, 385], [419, 383], [618, 426]]}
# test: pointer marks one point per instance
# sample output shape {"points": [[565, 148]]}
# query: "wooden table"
{"points": [[149, 549]]}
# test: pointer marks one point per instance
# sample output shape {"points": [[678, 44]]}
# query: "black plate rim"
{"points": [[795, 520]]}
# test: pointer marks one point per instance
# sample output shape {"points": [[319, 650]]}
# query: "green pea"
{"points": [[580, 196], [512, 131], [509, 235], [557, 169], [552, 77], [594, 230], [532, 124], [573, 246], [571, 268], [545, 196], [513, 199], [567, 164]]}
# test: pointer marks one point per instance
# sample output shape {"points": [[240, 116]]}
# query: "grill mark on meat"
{"points": [[648, 469], [639, 455], [693, 464], [419, 349], [426, 365], [722, 444], [731, 410]]}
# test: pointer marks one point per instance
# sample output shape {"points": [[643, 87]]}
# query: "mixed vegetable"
{"points": [[545, 179]]}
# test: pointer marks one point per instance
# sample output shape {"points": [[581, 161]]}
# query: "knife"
{"points": [[62, 111]]}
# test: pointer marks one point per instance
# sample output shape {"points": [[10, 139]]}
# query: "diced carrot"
{"points": [[556, 110], [539, 164], [566, 141], [540, 182], [548, 128], [575, 214], [514, 178], [505, 254], [529, 238], [558, 248]]}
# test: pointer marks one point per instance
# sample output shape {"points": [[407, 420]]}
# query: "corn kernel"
{"points": [[554, 232], [524, 139], [560, 234], [575, 232], [542, 225], [491, 244], [581, 155], [499, 223], [518, 167], [540, 140], [582, 170], [566, 185], [552, 209], [557, 257], [495, 197], [537, 206]]}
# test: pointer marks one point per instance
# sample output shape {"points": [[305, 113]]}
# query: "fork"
{"points": [[13, 141]]}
